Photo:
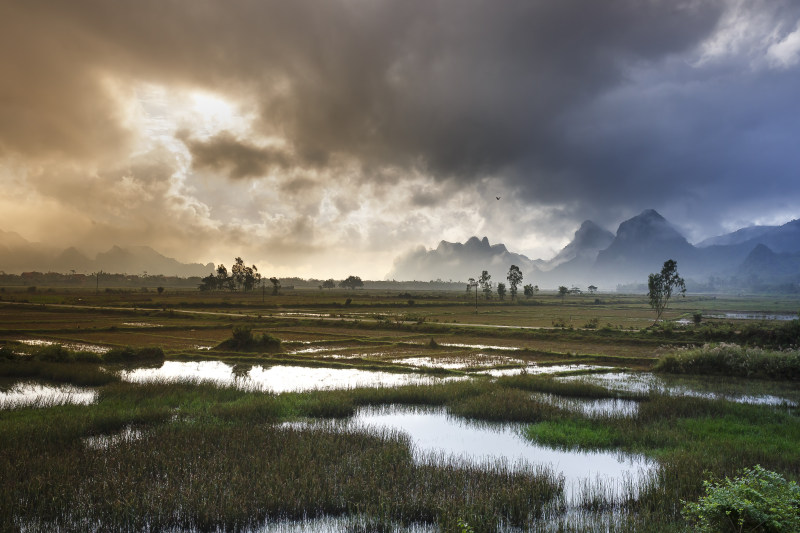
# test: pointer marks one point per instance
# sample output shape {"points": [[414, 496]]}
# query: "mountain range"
{"points": [[19, 255], [758, 254]]}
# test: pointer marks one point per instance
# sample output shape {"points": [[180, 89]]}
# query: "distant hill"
{"points": [[458, 262], [639, 247], [19, 255]]}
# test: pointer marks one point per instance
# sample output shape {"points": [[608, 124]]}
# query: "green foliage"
{"points": [[129, 354], [732, 360], [501, 291], [243, 339], [661, 286], [514, 279], [352, 283], [757, 500]]}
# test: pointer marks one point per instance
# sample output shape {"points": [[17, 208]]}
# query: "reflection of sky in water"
{"points": [[438, 437], [39, 395], [74, 346], [275, 379], [645, 382], [589, 407]]}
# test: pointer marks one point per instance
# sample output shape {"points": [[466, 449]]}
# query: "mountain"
{"points": [[763, 265], [587, 242], [641, 246], [19, 255], [737, 237], [459, 262]]}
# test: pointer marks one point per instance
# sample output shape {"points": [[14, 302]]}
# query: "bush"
{"points": [[130, 355], [243, 339], [757, 500], [732, 360], [53, 353]]}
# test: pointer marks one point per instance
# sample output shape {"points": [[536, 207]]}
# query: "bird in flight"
{"points": [[497, 197]]}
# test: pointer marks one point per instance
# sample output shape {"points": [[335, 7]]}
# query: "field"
{"points": [[260, 434]]}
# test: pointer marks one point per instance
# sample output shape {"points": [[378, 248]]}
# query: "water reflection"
{"points": [[741, 391], [275, 379], [39, 395], [438, 437]]}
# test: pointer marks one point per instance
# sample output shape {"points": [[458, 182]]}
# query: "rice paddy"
{"points": [[372, 418]]}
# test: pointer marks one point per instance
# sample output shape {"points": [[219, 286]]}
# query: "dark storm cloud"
{"points": [[552, 96], [239, 159]]}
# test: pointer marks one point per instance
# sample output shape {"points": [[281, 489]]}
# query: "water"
{"points": [[276, 379], [741, 391], [39, 395], [75, 346], [440, 438], [753, 316], [591, 408]]}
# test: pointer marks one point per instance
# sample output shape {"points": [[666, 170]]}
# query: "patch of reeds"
{"points": [[572, 388], [81, 375], [732, 360], [207, 476]]}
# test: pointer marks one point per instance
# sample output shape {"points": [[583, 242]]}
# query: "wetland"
{"points": [[125, 412]]}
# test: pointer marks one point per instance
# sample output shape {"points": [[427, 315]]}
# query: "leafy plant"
{"points": [[757, 500]]}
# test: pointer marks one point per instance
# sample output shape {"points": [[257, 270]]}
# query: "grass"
{"points": [[203, 457], [733, 360]]}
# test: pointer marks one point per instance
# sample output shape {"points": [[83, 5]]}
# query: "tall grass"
{"points": [[732, 360]]}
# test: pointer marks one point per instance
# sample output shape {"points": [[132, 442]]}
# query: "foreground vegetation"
{"points": [[202, 457]]}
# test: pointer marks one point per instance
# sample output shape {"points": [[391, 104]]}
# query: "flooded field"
{"points": [[438, 437], [25, 394], [275, 379], [741, 391]]}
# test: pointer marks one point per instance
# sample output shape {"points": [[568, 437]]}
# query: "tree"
{"points": [[276, 285], [501, 290], [237, 273], [486, 284], [530, 290], [514, 278], [208, 283], [562, 291], [222, 277], [352, 282], [574, 290], [592, 289], [251, 278], [328, 284], [661, 286]]}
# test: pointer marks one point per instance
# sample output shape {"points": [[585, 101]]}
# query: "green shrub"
{"points": [[53, 353], [243, 339], [757, 500], [129, 355], [732, 360]]}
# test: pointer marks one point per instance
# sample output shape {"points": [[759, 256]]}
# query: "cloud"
{"points": [[239, 159], [385, 123]]}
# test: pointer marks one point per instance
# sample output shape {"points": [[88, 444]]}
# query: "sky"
{"points": [[323, 138]]}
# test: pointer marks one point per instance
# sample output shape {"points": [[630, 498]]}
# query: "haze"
{"points": [[322, 139]]}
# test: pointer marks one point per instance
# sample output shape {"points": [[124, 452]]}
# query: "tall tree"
{"points": [[222, 277], [486, 284], [514, 278], [352, 282], [501, 291], [661, 286], [562, 291]]}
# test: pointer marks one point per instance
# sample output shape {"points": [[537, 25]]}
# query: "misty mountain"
{"points": [[763, 265], [584, 247], [639, 247], [459, 262], [737, 237], [19, 255]]}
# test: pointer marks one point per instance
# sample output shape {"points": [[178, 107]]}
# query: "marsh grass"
{"points": [[732, 360]]}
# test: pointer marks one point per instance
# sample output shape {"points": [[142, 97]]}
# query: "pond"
{"points": [[438, 437], [276, 379], [26, 394], [731, 389]]}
